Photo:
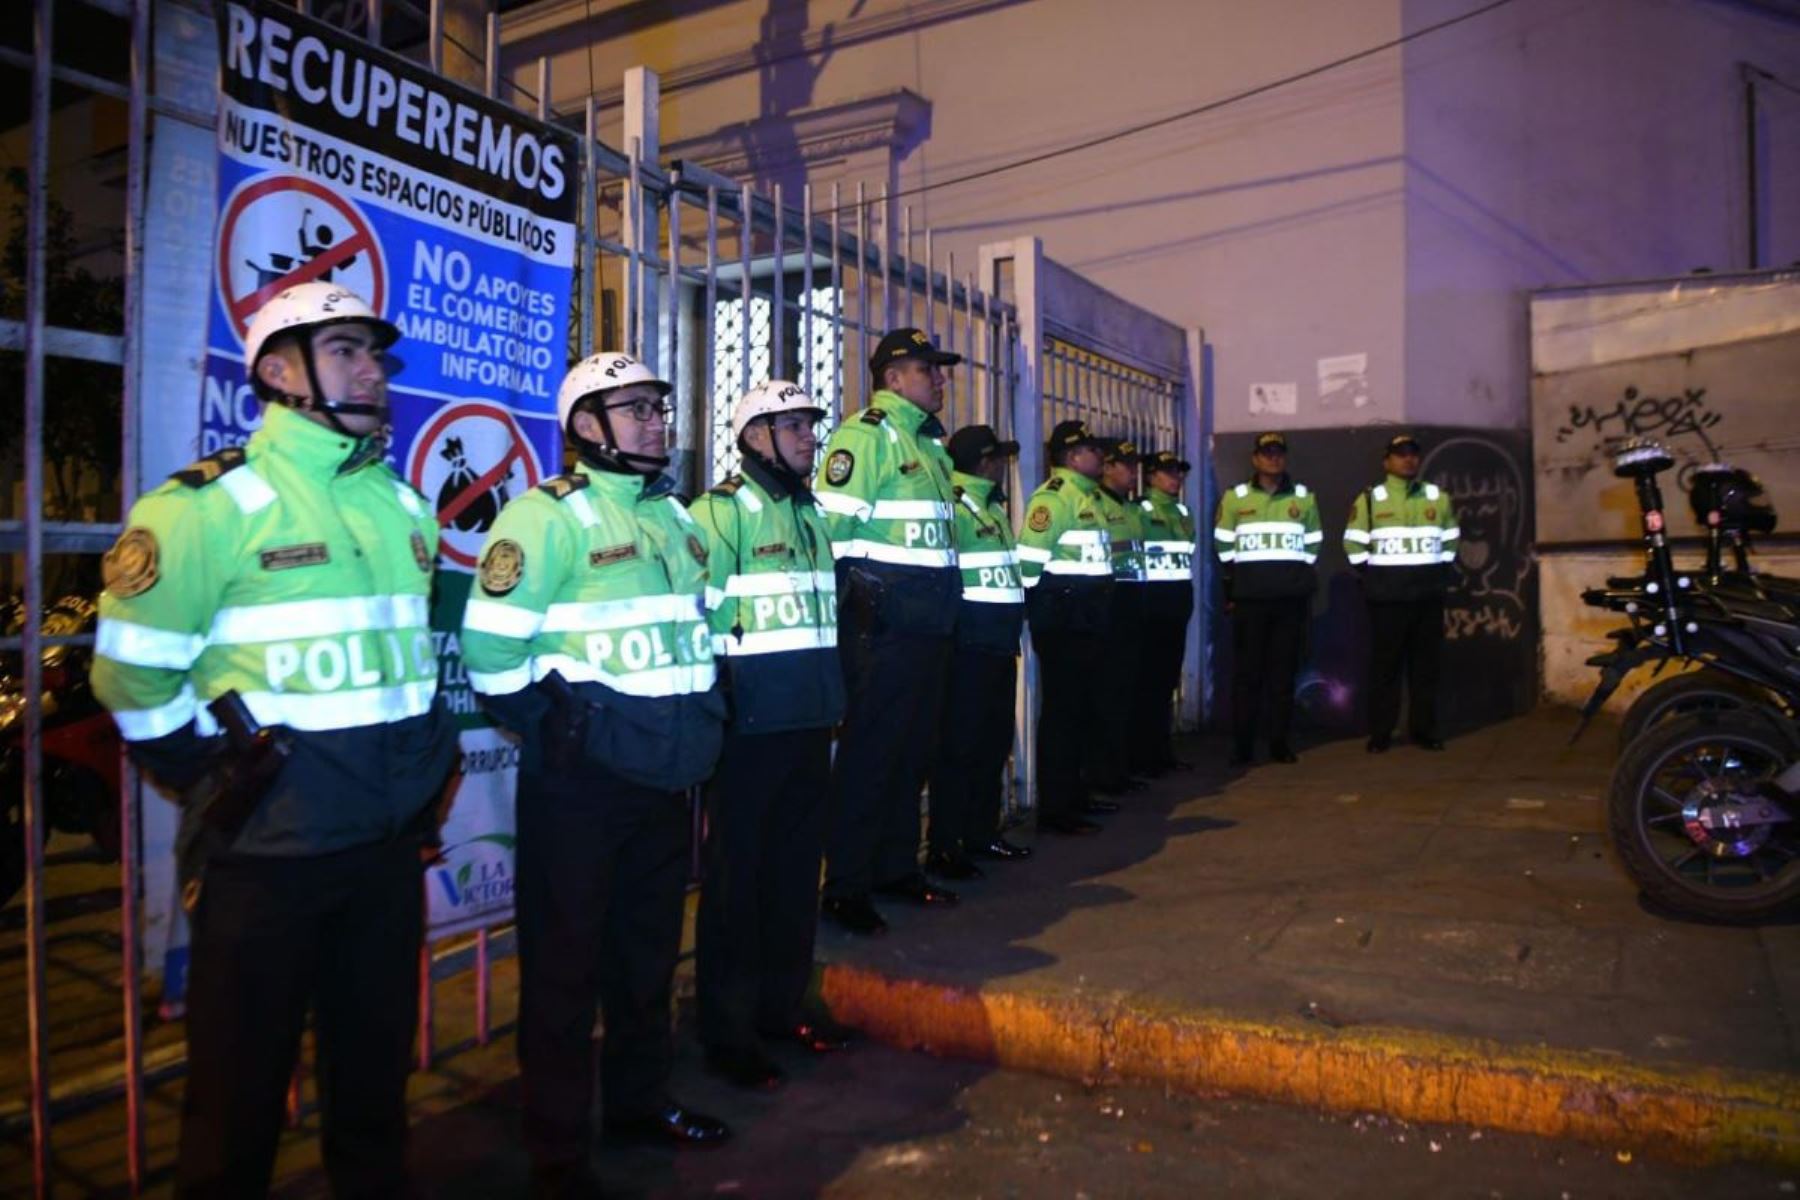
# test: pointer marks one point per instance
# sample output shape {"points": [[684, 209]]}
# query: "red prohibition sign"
{"points": [[361, 240], [518, 451]]}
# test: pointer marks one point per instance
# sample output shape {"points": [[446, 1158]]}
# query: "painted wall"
{"points": [[1571, 142]]}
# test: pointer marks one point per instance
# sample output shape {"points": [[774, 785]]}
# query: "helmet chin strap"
{"points": [[606, 456]]}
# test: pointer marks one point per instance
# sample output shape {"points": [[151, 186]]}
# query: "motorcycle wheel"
{"points": [[1690, 767], [1691, 692]]}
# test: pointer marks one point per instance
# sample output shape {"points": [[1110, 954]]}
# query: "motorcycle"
{"points": [[1700, 805], [81, 765]]}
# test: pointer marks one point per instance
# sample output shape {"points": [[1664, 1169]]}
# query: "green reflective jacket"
{"points": [[1065, 557], [992, 613]]}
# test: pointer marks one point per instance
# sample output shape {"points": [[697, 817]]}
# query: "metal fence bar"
{"points": [[887, 253], [590, 214], [745, 199], [710, 346], [668, 313], [36, 222], [778, 293], [837, 300], [862, 297], [806, 289], [905, 265], [634, 215]]}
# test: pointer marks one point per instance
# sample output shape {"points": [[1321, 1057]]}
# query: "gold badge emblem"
{"points": [[129, 568], [502, 567], [1431, 514], [1293, 510], [696, 549], [421, 552], [838, 467], [1039, 519]]}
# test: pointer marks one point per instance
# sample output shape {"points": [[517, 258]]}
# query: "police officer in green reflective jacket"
{"points": [[1402, 538], [967, 787], [1267, 536], [1108, 750], [772, 609], [586, 635], [1168, 528], [285, 585]]}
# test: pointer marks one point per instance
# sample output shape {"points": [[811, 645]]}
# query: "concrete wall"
{"points": [[1564, 142]]}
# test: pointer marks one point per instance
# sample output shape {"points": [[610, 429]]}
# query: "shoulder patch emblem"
{"points": [[283, 558], [839, 467], [421, 552], [1293, 510], [130, 567], [502, 567], [203, 472], [696, 549], [873, 416], [607, 555], [728, 487], [1039, 520], [1056, 484], [560, 487], [1431, 514]]}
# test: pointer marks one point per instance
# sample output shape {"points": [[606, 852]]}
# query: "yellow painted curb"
{"points": [[1691, 1114]]}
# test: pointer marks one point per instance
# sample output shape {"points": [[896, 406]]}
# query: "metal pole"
{"points": [[862, 297], [130, 864], [434, 44], [805, 356], [837, 305], [746, 233], [492, 75], [374, 11], [969, 388], [482, 1024], [634, 233], [778, 295], [543, 99], [590, 219], [906, 263], [668, 313], [931, 289], [36, 220], [710, 384]]}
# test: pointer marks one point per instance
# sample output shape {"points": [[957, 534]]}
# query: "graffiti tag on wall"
{"points": [[1494, 556], [1638, 415]]}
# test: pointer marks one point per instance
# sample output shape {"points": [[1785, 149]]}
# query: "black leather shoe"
{"points": [[1094, 806], [749, 1069], [1281, 754], [821, 1035], [1070, 825], [917, 889], [1001, 850], [670, 1125], [853, 914], [1378, 745], [946, 865], [1429, 743]]}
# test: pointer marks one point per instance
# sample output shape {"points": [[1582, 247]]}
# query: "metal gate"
{"points": [[713, 283]]}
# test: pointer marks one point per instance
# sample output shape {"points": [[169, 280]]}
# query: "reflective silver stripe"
{"points": [[911, 510], [288, 620], [247, 490], [781, 583], [775, 641], [500, 683], [1360, 536], [680, 680], [1270, 527], [409, 499], [1380, 491], [1314, 535], [1082, 537], [994, 595], [882, 552], [1170, 574], [681, 512], [1168, 547], [592, 615], [147, 646], [1033, 554], [714, 596], [1227, 556], [1222, 534], [1182, 507], [1242, 489], [1405, 560], [1388, 531], [748, 499], [987, 558], [1067, 567], [1431, 491], [316, 711], [143, 724], [845, 506], [1245, 556], [1451, 534], [583, 508], [1358, 557], [501, 620]]}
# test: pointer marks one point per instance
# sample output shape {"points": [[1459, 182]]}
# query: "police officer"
{"points": [[977, 730], [1168, 529], [291, 576], [1108, 749], [773, 615], [1267, 536], [1065, 561], [586, 636], [888, 500], [1402, 537]]}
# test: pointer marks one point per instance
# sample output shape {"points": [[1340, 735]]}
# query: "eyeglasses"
{"points": [[644, 411]]}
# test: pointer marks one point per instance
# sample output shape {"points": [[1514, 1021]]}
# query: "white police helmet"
{"points": [[771, 399], [309, 306], [603, 373]]}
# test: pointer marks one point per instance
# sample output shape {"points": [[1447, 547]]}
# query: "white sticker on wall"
{"points": [[1344, 381], [1279, 398]]}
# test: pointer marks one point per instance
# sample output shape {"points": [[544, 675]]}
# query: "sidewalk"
{"points": [[1441, 937]]}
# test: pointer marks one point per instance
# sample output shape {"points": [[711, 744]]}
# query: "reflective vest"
{"points": [[771, 602], [1065, 556], [599, 577], [1268, 541], [993, 597], [1405, 533], [1126, 533], [295, 571], [1168, 529], [887, 498]]}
